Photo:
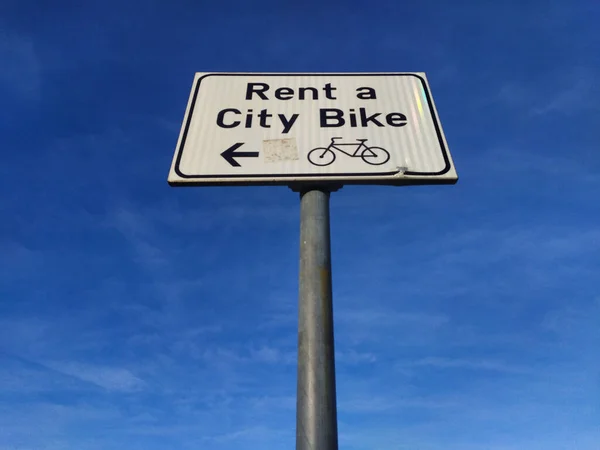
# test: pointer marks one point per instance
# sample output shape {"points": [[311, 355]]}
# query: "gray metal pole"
{"points": [[316, 411]]}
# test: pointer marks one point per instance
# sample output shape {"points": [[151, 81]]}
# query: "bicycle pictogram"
{"points": [[323, 156]]}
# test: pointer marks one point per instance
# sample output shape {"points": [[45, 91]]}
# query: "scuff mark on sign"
{"points": [[277, 150]]}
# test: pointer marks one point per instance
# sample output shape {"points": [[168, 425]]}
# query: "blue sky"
{"points": [[135, 315]]}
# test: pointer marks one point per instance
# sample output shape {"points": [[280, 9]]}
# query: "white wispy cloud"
{"points": [[252, 436], [18, 261], [272, 355], [264, 354], [438, 436], [48, 337], [142, 236], [375, 404], [541, 245], [110, 378], [18, 334], [573, 92], [51, 423], [580, 94], [279, 320], [249, 433], [272, 402], [21, 69], [373, 316], [469, 364], [230, 213], [22, 377], [357, 324], [366, 404], [354, 357]]}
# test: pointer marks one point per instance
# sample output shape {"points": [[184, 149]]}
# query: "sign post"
{"points": [[316, 411], [313, 132]]}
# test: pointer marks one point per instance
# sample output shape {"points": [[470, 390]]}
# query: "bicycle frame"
{"points": [[323, 156], [333, 145]]}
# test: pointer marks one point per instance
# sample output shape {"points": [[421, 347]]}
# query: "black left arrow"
{"points": [[230, 154]]}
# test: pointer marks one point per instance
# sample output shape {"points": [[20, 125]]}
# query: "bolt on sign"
{"points": [[291, 129]]}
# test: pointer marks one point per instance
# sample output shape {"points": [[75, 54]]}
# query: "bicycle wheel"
{"points": [[321, 156], [375, 156]]}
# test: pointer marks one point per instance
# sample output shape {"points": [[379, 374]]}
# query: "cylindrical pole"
{"points": [[316, 411]]}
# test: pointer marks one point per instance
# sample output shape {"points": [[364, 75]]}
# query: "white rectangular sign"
{"points": [[294, 129]]}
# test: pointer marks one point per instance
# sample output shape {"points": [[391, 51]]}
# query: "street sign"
{"points": [[311, 128]]}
